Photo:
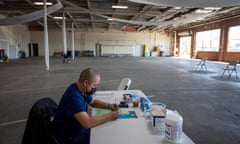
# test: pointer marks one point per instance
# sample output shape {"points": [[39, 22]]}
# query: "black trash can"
{"points": [[161, 53]]}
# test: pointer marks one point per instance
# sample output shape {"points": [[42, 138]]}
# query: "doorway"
{"points": [[139, 50], [185, 46], [33, 49]]}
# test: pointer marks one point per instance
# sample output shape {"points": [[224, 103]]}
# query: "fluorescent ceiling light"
{"points": [[110, 19], [212, 8], [58, 17], [42, 3], [203, 11], [201, 19], [119, 7], [177, 7]]}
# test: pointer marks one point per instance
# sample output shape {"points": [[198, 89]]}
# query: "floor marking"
{"points": [[23, 90], [13, 122], [113, 80]]}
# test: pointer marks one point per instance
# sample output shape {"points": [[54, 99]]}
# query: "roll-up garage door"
{"points": [[117, 47]]}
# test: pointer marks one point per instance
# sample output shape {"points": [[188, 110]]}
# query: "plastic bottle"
{"points": [[173, 127]]}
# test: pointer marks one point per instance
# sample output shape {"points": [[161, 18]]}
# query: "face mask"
{"points": [[92, 92]]}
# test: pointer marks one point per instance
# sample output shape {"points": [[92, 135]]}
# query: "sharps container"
{"points": [[173, 127]]}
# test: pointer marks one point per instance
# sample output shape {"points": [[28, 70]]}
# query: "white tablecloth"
{"points": [[127, 131]]}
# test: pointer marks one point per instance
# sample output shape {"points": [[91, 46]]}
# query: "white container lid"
{"points": [[173, 116]]}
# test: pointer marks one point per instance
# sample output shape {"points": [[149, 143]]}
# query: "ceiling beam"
{"points": [[109, 12], [89, 20], [81, 20], [181, 14], [113, 15], [58, 24], [29, 2], [73, 11], [73, 20], [91, 17], [166, 18], [209, 21], [154, 28], [143, 10], [40, 23], [155, 18]]}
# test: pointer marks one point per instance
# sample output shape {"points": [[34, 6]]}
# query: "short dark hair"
{"points": [[88, 74]]}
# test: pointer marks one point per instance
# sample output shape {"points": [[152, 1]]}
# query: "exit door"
{"points": [[33, 49], [185, 46]]}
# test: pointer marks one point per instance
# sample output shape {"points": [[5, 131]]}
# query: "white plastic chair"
{"points": [[125, 84]]}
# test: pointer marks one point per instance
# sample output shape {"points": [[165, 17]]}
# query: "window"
{"points": [[208, 40], [234, 39]]}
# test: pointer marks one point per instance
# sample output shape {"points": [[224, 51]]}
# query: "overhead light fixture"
{"points": [[56, 17], [203, 11], [110, 19], [119, 7], [201, 19], [42, 3], [177, 8], [212, 8]]}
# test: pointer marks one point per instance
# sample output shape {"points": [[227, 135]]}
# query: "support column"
{"points": [[73, 46], [223, 43], [193, 45], [46, 37], [176, 51], [64, 35]]}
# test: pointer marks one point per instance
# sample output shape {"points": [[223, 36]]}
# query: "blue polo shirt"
{"points": [[66, 128]]}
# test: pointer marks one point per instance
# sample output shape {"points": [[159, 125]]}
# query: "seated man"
{"points": [[72, 123], [65, 58]]}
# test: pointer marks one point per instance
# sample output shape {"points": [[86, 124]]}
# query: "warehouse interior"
{"points": [[158, 44]]}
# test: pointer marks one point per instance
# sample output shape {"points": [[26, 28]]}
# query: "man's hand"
{"points": [[113, 115], [113, 107]]}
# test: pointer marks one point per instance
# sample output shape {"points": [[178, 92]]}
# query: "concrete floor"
{"points": [[209, 105]]}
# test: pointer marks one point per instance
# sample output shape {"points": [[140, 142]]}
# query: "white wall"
{"points": [[16, 35], [88, 40], [140, 38], [55, 41]]}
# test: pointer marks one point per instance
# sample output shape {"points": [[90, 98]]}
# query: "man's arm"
{"points": [[101, 104], [89, 122]]}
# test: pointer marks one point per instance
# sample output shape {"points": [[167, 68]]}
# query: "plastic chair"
{"points": [[125, 84], [201, 66], [230, 68], [39, 124]]}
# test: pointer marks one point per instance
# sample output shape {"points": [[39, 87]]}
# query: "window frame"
{"points": [[229, 48], [209, 42]]}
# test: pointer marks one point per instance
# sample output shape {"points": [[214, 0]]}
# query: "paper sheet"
{"points": [[122, 114]]}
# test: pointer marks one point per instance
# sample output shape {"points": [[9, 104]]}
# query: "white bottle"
{"points": [[173, 127]]}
